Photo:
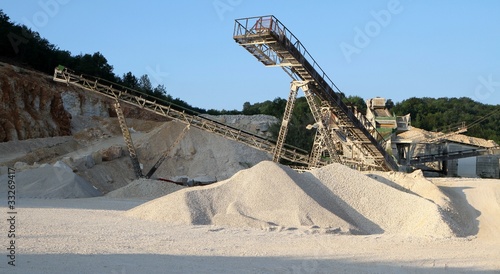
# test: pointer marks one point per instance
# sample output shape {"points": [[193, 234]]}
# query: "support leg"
{"points": [[294, 88], [327, 137], [128, 140]]}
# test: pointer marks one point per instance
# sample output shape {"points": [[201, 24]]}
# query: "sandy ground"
{"points": [[93, 235]]}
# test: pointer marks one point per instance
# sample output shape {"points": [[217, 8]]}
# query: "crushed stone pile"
{"points": [[198, 154], [335, 198], [263, 196], [56, 181], [145, 189], [376, 205], [415, 183]]}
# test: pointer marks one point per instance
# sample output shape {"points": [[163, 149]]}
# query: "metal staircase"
{"points": [[171, 111], [294, 89], [273, 44], [128, 140]]}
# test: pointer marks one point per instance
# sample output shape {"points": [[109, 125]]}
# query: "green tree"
{"points": [[447, 114], [94, 65], [355, 101], [129, 80], [145, 84], [161, 92]]}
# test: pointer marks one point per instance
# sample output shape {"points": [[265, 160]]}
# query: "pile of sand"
{"points": [[414, 183], [476, 204], [51, 181], [269, 195], [145, 189], [198, 154], [263, 196], [376, 204]]}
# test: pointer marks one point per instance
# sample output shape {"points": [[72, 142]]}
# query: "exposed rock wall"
{"points": [[34, 106], [30, 106], [78, 103], [259, 124]]}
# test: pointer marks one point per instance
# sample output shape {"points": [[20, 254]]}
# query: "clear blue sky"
{"points": [[447, 48]]}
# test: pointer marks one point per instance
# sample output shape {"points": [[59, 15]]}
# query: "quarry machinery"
{"points": [[408, 149], [475, 150], [267, 39], [461, 129], [171, 111]]}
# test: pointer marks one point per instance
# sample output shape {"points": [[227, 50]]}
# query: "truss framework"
{"points": [[273, 44], [171, 111], [294, 89], [324, 135], [128, 140]]}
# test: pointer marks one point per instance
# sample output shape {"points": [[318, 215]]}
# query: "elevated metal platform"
{"points": [[273, 44], [171, 111]]}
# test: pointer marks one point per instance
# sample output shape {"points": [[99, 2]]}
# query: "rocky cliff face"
{"points": [[77, 104], [30, 106]]}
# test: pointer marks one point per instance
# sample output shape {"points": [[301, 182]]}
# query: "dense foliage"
{"points": [[447, 114], [301, 117]]}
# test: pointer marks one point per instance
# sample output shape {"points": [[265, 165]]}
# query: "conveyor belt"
{"points": [[450, 155], [166, 109], [273, 44]]}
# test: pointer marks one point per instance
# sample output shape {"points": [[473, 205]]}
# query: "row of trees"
{"points": [[446, 114], [441, 114]]}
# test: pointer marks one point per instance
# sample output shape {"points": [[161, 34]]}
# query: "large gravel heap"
{"points": [[56, 181], [198, 154], [335, 198], [145, 189]]}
